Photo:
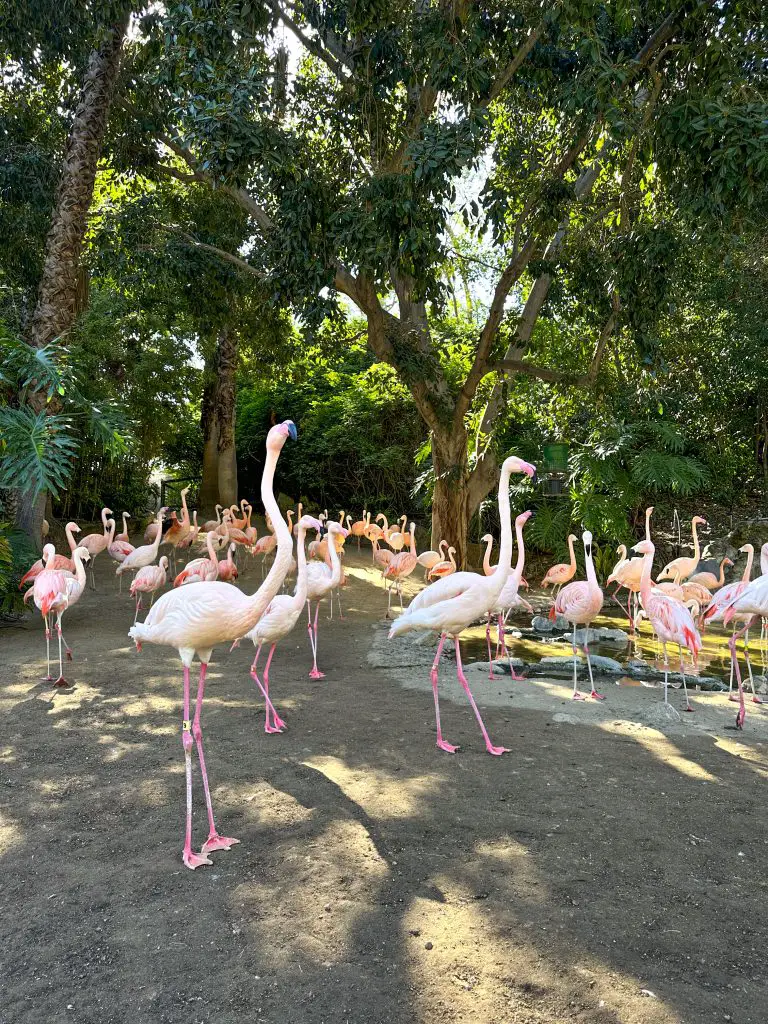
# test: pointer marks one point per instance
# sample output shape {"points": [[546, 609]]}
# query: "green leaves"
{"points": [[38, 450]]}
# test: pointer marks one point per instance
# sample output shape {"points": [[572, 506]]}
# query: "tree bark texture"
{"points": [[61, 283], [217, 421], [450, 504]]}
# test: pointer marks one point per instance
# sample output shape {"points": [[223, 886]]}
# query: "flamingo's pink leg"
{"points": [[449, 748], [755, 698], [594, 694], [685, 688], [191, 859], [214, 840], [505, 649], [315, 672], [48, 676], [575, 695], [488, 645], [61, 681], [742, 712], [277, 724], [465, 685]]}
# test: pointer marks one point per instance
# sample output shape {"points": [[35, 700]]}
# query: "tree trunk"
{"points": [[450, 505], [209, 485], [57, 299], [226, 398]]}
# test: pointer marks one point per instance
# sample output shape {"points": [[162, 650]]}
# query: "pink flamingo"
{"points": [[195, 619], [684, 566], [563, 572], [450, 605], [401, 566], [746, 606], [428, 559], [59, 561], [708, 579], [178, 531], [55, 590], [212, 524], [148, 580], [442, 569], [580, 603], [189, 540], [227, 568], [118, 550], [278, 621], [98, 542], [357, 529], [123, 535], [200, 569], [715, 612], [321, 581], [146, 553], [671, 621], [627, 572]]}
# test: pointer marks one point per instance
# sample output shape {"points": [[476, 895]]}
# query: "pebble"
{"points": [[428, 945]]}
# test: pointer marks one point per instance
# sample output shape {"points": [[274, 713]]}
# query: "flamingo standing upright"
{"points": [[450, 605], [227, 570], [118, 550], [321, 581], [357, 529], [428, 559], [279, 619], [123, 535], [715, 612], [400, 566], [563, 572], [148, 580], [684, 566], [195, 619], [55, 590], [509, 599], [211, 524], [98, 542], [627, 572], [580, 603], [745, 606], [671, 621], [194, 533], [146, 553]]}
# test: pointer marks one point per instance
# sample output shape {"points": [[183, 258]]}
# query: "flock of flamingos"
{"points": [[203, 609]]}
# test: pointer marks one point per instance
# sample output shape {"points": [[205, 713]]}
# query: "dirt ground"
{"points": [[606, 870]]}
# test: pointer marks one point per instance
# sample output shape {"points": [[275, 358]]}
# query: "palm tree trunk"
{"points": [[57, 298]]}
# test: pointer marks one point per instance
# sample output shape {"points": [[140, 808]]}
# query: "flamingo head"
{"points": [[587, 539], [73, 527], [486, 538], [280, 433], [310, 523], [163, 563], [747, 549], [83, 553], [515, 465], [727, 561], [646, 547], [699, 521], [523, 518], [106, 512], [334, 527], [48, 552]]}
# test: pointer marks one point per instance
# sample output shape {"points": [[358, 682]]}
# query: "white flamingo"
{"points": [[279, 619], [451, 604], [321, 580], [146, 553], [195, 619]]}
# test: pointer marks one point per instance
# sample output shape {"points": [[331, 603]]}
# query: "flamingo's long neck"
{"points": [[648, 513], [413, 538], [573, 553], [79, 570], [748, 567], [105, 521], [721, 581], [158, 536], [333, 554], [184, 510], [645, 577], [696, 551], [300, 593], [211, 550], [487, 568], [503, 569], [125, 526], [70, 538], [518, 572]]}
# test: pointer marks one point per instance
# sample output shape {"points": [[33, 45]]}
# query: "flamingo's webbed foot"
{"points": [[449, 748], [195, 860], [217, 842]]}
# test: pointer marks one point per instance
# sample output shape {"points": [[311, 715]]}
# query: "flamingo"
{"points": [[98, 542], [373, 531], [671, 620], [148, 580], [397, 538], [278, 621], [59, 561], [357, 529], [123, 535], [200, 569], [580, 603], [118, 550], [684, 566], [450, 605], [627, 573], [381, 556], [708, 579], [715, 612], [211, 524], [746, 606], [195, 619], [442, 569], [227, 570], [563, 572], [321, 580], [178, 530], [194, 533], [55, 590], [400, 566], [146, 553], [428, 559], [509, 599]]}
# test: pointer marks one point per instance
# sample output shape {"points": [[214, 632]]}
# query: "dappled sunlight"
{"points": [[757, 760], [376, 793], [10, 834], [516, 861], [661, 747], [263, 803], [118, 748]]}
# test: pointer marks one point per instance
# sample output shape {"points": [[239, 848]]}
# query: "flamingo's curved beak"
{"points": [[292, 429]]}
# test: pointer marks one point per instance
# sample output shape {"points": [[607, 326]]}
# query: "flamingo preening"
{"points": [[195, 619], [148, 580], [54, 591], [450, 605]]}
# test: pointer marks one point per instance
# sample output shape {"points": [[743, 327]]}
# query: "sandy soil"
{"points": [[609, 869]]}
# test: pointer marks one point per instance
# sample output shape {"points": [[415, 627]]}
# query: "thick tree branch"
{"points": [[313, 46], [223, 254], [508, 73]]}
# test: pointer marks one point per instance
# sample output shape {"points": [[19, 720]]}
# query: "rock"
{"points": [[542, 624], [562, 717], [614, 637], [707, 683], [428, 945], [499, 668], [605, 666], [761, 684], [560, 668]]}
